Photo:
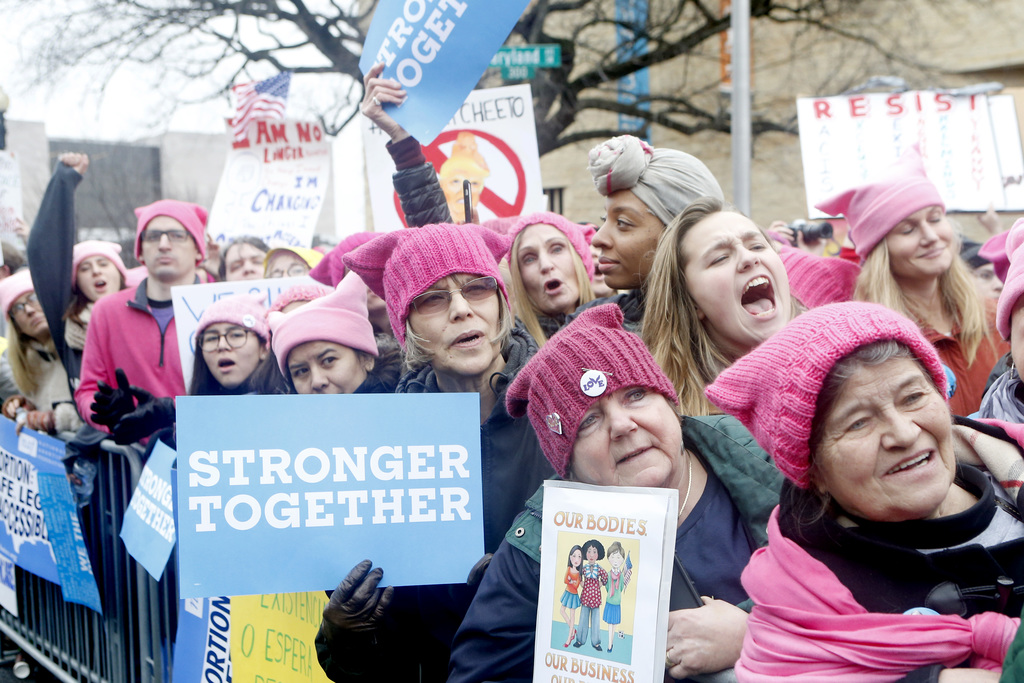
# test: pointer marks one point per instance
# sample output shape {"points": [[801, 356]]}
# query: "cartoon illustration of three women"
{"points": [[583, 582]]}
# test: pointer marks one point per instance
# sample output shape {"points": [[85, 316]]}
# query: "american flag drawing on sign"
{"points": [[260, 99]]}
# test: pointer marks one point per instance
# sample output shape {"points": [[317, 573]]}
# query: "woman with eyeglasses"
{"points": [[290, 262], [449, 311], [232, 343]]}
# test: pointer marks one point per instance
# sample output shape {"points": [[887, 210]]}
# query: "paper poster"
{"points": [[10, 193], [23, 530], [272, 637], [148, 527], [605, 579], [8, 584], [190, 301], [491, 141], [275, 188], [970, 144], [437, 52], [77, 582], [202, 645], [278, 494]]}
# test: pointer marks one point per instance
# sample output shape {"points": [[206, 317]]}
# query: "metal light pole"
{"points": [[4, 102]]}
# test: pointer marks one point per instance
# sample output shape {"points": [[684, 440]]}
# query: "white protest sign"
{"points": [[274, 187], [190, 301], [970, 144], [10, 193], [491, 141]]}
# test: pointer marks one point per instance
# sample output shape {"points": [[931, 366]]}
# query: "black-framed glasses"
{"points": [[294, 270], [235, 336], [438, 300], [30, 300], [175, 236]]}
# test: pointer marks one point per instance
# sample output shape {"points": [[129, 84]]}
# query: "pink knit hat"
{"points": [[299, 293], [773, 390], [90, 248], [403, 264], [13, 286], [575, 233], [874, 209], [339, 317], [245, 310], [1013, 284], [331, 269], [818, 280], [591, 357], [995, 251], [192, 216]]}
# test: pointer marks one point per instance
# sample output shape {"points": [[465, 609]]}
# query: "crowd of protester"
{"points": [[844, 432]]}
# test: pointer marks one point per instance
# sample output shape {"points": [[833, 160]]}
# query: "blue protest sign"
{"points": [[202, 645], [437, 51], [23, 528], [282, 494], [148, 527], [77, 582]]}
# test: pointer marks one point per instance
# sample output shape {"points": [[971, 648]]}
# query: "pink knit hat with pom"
{"points": [[90, 248], [818, 280], [298, 293], [340, 317], [590, 358], [191, 216], [994, 249], [773, 390], [403, 264], [245, 310], [874, 209], [1013, 284], [13, 286], [575, 233], [331, 269]]}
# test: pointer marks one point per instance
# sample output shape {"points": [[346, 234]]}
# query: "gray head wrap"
{"points": [[666, 180]]}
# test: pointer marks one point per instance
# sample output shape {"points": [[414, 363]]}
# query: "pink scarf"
{"points": [[807, 624]]}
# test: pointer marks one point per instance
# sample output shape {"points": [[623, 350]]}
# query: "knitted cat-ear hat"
{"points": [[773, 390]]}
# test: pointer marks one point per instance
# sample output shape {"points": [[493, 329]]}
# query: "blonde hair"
{"points": [[26, 376], [960, 298], [416, 356], [526, 310], [672, 329]]}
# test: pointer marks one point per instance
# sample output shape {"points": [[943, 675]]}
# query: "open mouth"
{"points": [[553, 285], [99, 284], [758, 297], [911, 464], [468, 339], [225, 363]]}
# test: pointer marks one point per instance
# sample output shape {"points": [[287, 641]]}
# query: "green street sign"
{"points": [[541, 56]]}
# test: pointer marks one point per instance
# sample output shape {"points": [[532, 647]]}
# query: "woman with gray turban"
{"points": [[644, 189]]}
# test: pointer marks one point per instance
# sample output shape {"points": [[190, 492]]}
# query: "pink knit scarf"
{"points": [[807, 624]]}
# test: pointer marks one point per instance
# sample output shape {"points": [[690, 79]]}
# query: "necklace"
{"points": [[689, 481]]}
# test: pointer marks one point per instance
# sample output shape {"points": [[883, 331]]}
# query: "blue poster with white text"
{"points": [[148, 527]]}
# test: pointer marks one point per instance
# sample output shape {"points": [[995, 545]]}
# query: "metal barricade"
{"points": [[131, 641]]}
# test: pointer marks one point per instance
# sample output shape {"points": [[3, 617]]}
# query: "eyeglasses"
{"points": [[236, 336], [175, 236], [30, 300], [437, 301], [294, 270]]}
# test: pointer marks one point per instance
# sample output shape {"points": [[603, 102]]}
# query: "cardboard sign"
{"points": [[202, 645], [77, 582], [190, 301], [148, 527], [275, 188], [278, 494], [970, 144], [10, 193], [437, 52], [491, 141], [272, 637]]}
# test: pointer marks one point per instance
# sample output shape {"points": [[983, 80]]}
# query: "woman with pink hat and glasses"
{"points": [[909, 258]]}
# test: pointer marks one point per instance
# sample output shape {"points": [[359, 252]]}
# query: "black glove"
{"points": [[110, 404], [357, 605], [477, 572], [152, 414]]}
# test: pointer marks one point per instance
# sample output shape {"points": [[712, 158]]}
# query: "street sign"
{"points": [[522, 60]]}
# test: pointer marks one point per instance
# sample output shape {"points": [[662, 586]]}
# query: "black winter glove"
{"points": [[111, 404], [151, 415], [357, 605]]}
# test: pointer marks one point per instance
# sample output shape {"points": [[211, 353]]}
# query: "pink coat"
{"points": [[124, 334]]}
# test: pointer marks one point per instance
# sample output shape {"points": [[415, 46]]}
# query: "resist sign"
{"points": [[280, 494]]}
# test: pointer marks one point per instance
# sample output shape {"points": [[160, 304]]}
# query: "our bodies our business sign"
{"points": [[970, 143], [275, 187], [491, 141], [280, 494]]}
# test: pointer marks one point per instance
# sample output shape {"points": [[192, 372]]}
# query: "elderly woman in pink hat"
{"points": [[909, 262], [898, 542]]}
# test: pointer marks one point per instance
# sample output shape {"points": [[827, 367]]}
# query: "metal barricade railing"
{"points": [[131, 641]]}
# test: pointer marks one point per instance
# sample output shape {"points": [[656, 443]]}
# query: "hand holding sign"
{"points": [[381, 91], [357, 604]]}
